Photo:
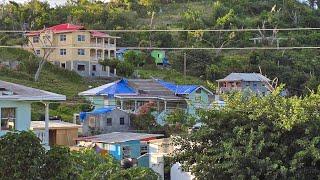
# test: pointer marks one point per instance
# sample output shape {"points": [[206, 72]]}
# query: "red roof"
{"points": [[58, 28], [98, 34], [65, 27]]}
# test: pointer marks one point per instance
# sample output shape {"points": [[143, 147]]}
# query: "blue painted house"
{"points": [[122, 145], [15, 107], [130, 94]]}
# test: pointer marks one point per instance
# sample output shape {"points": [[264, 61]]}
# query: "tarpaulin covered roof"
{"points": [[97, 111], [179, 89], [110, 89]]}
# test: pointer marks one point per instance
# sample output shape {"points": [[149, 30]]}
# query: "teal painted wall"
{"points": [[197, 100], [23, 114], [101, 101]]}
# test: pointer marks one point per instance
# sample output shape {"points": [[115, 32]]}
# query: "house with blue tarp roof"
{"points": [[104, 120], [130, 94]]}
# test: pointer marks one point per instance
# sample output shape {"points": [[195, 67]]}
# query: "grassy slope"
{"points": [[169, 75], [52, 79], [171, 13]]}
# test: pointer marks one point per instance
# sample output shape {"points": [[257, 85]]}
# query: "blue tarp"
{"points": [[97, 111], [178, 89], [120, 87]]}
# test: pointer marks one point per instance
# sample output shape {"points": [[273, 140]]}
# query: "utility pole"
{"points": [[185, 65]]}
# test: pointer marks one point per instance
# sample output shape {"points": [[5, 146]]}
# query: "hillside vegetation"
{"points": [[295, 68]]}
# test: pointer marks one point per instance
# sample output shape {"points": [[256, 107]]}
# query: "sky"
{"points": [[51, 2]]}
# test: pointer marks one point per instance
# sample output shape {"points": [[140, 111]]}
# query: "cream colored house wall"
{"points": [[71, 40]]}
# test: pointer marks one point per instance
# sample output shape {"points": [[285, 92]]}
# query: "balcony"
{"points": [[41, 134], [100, 45], [94, 58], [228, 89]]}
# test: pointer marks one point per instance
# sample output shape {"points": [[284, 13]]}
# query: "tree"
{"points": [[178, 121], [136, 58], [144, 120], [270, 137], [22, 156]]}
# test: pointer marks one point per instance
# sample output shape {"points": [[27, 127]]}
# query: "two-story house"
{"points": [[74, 48], [15, 108], [130, 94], [253, 82]]}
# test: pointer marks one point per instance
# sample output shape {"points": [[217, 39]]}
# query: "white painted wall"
{"points": [[177, 173]]}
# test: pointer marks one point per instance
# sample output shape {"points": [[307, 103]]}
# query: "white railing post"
{"points": [[46, 124]]}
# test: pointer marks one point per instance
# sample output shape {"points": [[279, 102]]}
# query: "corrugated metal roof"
{"points": [[53, 124], [245, 77], [20, 92], [118, 137]]}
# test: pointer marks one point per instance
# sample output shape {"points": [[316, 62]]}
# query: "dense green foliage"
{"points": [[23, 157], [295, 68], [270, 137]]}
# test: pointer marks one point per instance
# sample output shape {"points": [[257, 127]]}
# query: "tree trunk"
{"points": [[36, 76]]}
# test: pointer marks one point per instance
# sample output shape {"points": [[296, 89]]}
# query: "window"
{"points": [[81, 38], [126, 152], [63, 65], [104, 68], [92, 122], [63, 52], [198, 91], [94, 67], [81, 52], [143, 149], [81, 67], [63, 37], [122, 121], [35, 39], [38, 52], [109, 121], [8, 118]]}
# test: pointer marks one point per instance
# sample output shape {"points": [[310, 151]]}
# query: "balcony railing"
{"points": [[94, 58], [100, 45], [41, 134], [227, 89]]}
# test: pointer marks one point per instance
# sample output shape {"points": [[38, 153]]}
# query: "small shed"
{"points": [[159, 56], [60, 132]]}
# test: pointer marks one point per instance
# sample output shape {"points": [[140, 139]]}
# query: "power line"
{"points": [[177, 48], [177, 30]]}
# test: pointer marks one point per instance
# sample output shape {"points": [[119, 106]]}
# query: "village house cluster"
{"points": [[108, 126]]}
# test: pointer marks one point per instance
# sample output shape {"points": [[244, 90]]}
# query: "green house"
{"points": [[158, 56]]}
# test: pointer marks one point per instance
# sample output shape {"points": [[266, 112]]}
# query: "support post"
{"points": [[165, 105], [185, 65], [121, 104], [47, 123], [135, 106], [158, 106], [108, 71]]}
